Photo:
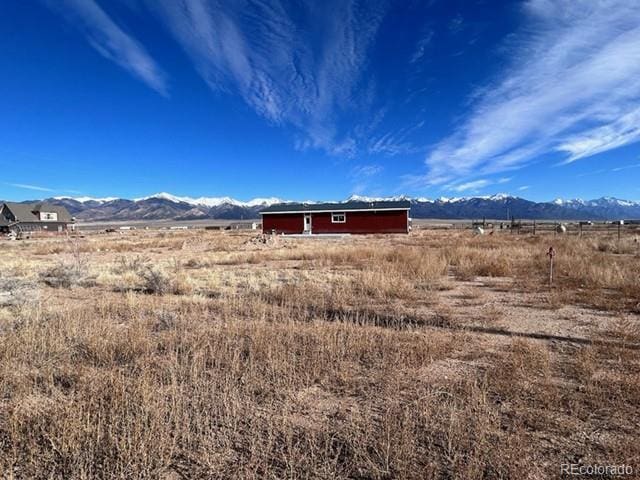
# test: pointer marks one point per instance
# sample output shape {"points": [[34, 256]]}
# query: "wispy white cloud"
{"points": [[26, 186], [396, 142], [111, 41], [262, 54], [363, 171], [619, 132], [421, 47], [388, 144], [524, 187], [608, 169], [456, 25], [572, 88], [626, 167], [473, 186], [363, 176]]}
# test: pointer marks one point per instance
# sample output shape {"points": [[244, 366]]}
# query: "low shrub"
{"points": [[156, 281], [65, 275]]}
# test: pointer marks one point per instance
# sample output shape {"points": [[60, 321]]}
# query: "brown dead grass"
{"points": [[309, 359]]}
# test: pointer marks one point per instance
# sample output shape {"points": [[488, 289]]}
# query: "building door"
{"points": [[307, 223]]}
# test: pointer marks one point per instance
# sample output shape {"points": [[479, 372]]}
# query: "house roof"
{"points": [[337, 207], [27, 212]]}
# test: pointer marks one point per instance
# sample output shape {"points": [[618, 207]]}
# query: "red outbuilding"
{"points": [[327, 218]]}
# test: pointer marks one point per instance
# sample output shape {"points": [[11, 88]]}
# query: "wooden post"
{"points": [[551, 253], [534, 228]]}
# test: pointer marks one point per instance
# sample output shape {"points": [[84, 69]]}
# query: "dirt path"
{"points": [[497, 303]]}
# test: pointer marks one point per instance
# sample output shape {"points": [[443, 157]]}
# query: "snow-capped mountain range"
{"points": [[604, 201], [164, 205], [212, 201]]}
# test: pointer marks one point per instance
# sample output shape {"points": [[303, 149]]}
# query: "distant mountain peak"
{"points": [[500, 196], [211, 201], [448, 199], [571, 201], [360, 198], [615, 201], [88, 199], [598, 202]]}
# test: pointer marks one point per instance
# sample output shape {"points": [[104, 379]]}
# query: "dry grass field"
{"points": [[200, 354]]}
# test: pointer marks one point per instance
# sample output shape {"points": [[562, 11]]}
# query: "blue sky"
{"points": [[320, 100]]}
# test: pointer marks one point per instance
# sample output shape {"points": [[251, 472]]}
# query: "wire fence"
{"points": [[545, 227]]}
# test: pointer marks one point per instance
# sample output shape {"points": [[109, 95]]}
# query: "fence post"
{"points": [[534, 228], [551, 253]]}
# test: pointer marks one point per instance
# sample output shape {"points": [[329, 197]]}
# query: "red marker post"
{"points": [[551, 253]]}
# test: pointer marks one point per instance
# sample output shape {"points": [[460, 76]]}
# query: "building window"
{"points": [[338, 217], [50, 216]]}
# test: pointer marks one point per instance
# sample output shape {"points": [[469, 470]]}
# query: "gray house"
{"points": [[34, 218]]}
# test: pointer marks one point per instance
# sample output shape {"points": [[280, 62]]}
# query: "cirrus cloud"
{"points": [[111, 41], [572, 88], [276, 66], [472, 186]]}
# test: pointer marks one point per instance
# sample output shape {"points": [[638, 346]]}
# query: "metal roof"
{"points": [[27, 212], [337, 207]]}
